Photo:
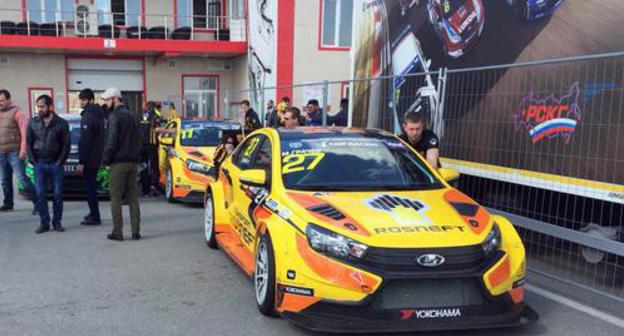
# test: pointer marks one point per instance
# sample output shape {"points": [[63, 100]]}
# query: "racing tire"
{"points": [[264, 276], [209, 223], [169, 186], [521, 9]]}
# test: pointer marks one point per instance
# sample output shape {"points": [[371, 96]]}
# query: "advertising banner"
{"points": [[262, 58], [538, 124]]}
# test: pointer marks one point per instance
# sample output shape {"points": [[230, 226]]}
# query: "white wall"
{"points": [[25, 71]]}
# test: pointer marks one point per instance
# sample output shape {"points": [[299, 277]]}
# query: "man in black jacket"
{"points": [[250, 117], [91, 147], [122, 153], [150, 121], [48, 144]]}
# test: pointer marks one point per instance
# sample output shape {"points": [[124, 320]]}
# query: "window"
{"points": [[49, 11], [242, 158], [200, 96], [202, 13], [119, 12], [263, 158], [336, 19]]}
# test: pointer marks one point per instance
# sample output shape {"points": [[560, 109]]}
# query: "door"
{"points": [[163, 150], [133, 101], [256, 195]]}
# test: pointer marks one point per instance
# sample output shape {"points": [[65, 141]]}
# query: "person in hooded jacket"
{"points": [[91, 148]]}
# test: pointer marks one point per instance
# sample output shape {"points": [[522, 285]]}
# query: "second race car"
{"points": [[458, 23], [186, 156], [533, 9], [347, 230]]}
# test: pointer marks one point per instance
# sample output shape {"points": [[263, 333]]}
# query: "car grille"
{"points": [[430, 293], [463, 259]]}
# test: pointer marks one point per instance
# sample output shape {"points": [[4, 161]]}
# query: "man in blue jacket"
{"points": [[91, 147]]}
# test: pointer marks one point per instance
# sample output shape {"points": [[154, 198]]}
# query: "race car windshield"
{"points": [[353, 164], [449, 7], [198, 136]]}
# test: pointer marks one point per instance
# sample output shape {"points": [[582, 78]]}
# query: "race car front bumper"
{"points": [[328, 317], [470, 291]]}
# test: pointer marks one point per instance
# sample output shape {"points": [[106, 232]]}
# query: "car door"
{"points": [[243, 159], [255, 194], [163, 150]]}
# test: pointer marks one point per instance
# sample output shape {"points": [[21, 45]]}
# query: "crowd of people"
{"points": [[109, 136], [112, 136]]}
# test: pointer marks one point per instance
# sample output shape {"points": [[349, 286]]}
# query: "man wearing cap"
{"points": [[122, 153]]}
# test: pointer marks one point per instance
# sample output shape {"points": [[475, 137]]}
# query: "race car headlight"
{"points": [[333, 244], [493, 241], [453, 36], [197, 167]]}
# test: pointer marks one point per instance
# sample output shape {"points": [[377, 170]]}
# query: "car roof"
{"points": [[330, 132], [224, 124], [70, 117]]}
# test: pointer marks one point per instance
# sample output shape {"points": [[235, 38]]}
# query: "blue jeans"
{"points": [[49, 173], [10, 163]]}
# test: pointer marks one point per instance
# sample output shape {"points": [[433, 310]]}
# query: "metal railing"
{"points": [[121, 25], [563, 188]]}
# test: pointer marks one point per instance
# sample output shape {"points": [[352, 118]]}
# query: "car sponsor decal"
{"points": [[550, 117], [296, 290], [419, 229], [467, 22], [293, 163], [423, 314], [405, 210]]}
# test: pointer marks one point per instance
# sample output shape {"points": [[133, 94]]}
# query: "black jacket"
{"points": [[274, 120], [123, 140], [91, 144], [48, 143], [252, 121]]}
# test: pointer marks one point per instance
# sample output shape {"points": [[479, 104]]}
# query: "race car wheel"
{"points": [[264, 276], [169, 186], [521, 9], [209, 225]]}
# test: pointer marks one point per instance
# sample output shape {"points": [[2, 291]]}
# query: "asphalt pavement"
{"points": [[170, 283]]}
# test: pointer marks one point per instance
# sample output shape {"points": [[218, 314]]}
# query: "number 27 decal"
{"points": [[298, 162]]}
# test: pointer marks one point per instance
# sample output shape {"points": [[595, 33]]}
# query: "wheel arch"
{"points": [[216, 190]]}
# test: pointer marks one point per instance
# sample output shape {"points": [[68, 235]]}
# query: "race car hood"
{"points": [[203, 154], [464, 18], [414, 219]]}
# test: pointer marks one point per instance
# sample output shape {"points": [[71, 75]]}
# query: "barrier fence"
{"points": [[539, 142]]}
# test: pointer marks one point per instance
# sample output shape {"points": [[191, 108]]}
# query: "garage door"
{"points": [[100, 74]]}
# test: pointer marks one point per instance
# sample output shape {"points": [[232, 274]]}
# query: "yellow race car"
{"points": [[186, 156], [346, 230]]}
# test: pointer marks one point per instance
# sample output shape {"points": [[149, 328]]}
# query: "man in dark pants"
{"points": [[150, 121], [91, 147], [48, 144], [122, 152]]}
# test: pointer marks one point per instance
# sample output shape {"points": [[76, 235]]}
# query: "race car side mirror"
{"points": [[166, 141], [253, 177], [449, 174]]}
